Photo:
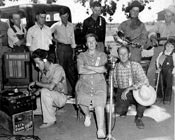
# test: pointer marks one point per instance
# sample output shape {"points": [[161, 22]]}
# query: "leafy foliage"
{"points": [[110, 6]]}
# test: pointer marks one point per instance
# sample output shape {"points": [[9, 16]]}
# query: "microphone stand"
{"points": [[111, 106]]}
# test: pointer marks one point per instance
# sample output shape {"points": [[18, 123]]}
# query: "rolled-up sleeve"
{"points": [[57, 77]]}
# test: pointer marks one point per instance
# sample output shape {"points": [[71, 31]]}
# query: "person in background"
{"points": [[91, 87], [134, 30], [165, 30], [38, 37], [3, 44], [96, 24], [128, 76], [52, 85], [65, 40], [17, 34], [165, 63]]}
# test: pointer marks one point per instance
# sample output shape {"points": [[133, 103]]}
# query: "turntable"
{"points": [[12, 95]]}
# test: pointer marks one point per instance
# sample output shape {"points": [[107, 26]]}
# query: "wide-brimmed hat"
{"points": [[145, 96], [171, 9], [135, 4]]}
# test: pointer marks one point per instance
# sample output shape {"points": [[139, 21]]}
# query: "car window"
{"points": [[57, 17]]}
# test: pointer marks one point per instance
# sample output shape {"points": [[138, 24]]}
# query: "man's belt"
{"points": [[59, 43]]}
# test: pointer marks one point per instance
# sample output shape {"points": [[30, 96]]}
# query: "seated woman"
{"points": [[91, 87], [165, 64]]}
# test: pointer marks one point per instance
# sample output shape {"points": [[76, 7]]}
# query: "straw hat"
{"points": [[171, 9], [145, 96], [135, 4]]}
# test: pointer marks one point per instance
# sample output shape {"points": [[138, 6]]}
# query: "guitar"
{"points": [[123, 40]]}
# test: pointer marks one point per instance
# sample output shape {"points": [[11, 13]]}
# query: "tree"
{"points": [[109, 6], [2, 3]]}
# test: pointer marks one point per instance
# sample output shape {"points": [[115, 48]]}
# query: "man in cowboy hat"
{"points": [[165, 30], [134, 30], [131, 86]]}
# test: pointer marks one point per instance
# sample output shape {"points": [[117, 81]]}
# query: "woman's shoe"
{"points": [[100, 134]]}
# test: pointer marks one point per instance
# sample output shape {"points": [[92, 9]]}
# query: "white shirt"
{"points": [[164, 29], [64, 34], [12, 38], [38, 38]]}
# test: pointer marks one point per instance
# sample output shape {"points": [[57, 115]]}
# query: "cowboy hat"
{"points": [[135, 4], [171, 9], [145, 96]]}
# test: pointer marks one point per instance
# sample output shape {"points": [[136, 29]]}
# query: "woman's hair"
{"points": [[43, 54], [170, 41], [91, 35]]}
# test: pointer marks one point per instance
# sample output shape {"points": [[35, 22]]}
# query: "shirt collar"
{"points": [[128, 65], [68, 24], [18, 27], [50, 71], [51, 67], [93, 18], [39, 26]]}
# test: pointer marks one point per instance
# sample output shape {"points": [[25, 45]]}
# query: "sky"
{"points": [[79, 12]]}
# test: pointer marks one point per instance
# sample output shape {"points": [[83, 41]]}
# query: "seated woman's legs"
{"points": [[99, 112], [86, 111]]}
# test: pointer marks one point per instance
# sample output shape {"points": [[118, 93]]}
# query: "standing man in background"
{"points": [[96, 24], [17, 34], [39, 37], [134, 30], [65, 40]]}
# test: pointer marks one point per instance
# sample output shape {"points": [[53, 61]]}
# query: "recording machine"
{"points": [[14, 101], [18, 105]]}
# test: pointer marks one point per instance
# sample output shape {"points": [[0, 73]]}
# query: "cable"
{"points": [[20, 137]]}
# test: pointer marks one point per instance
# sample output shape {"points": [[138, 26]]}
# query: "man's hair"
{"points": [[124, 46], [43, 54], [63, 11], [91, 35], [40, 11], [17, 13], [96, 4]]}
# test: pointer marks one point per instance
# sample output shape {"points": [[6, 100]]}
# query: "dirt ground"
{"points": [[69, 128]]}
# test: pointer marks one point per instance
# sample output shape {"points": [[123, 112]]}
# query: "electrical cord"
{"points": [[20, 137]]}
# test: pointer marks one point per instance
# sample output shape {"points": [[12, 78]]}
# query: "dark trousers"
{"points": [[65, 59], [21, 48], [165, 84], [121, 106]]}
